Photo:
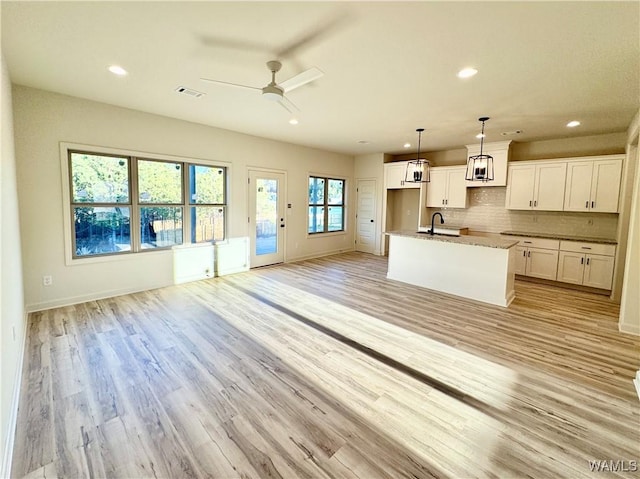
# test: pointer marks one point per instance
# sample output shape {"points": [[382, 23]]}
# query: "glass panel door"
{"points": [[266, 221]]}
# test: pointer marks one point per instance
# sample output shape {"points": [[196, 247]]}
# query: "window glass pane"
{"points": [[336, 222], [316, 191], [159, 182], [207, 223], [99, 179], [160, 226], [316, 219], [100, 230], [336, 192], [206, 185], [266, 216]]}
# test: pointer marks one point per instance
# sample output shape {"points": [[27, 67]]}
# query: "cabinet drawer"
{"points": [[539, 243], [593, 248]]}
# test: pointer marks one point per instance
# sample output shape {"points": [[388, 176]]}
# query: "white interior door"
{"points": [[366, 216], [266, 217]]}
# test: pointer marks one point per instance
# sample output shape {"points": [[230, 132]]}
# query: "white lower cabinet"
{"points": [[588, 264], [576, 262], [537, 258]]}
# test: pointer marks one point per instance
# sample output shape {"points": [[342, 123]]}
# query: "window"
{"points": [[326, 205], [170, 202]]}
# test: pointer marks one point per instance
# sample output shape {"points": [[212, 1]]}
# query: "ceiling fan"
{"points": [[274, 91]]}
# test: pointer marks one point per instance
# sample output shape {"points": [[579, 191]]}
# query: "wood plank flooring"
{"points": [[326, 369]]}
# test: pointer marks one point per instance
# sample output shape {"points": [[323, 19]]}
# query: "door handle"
{"points": [[282, 225], [587, 261], [593, 204], [586, 205], [581, 260], [530, 203]]}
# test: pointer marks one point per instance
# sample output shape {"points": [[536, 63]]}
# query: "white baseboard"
{"points": [[57, 303], [7, 454], [629, 328], [318, 255]]}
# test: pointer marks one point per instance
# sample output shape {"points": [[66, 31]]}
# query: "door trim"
{"points": [[250, 209]]}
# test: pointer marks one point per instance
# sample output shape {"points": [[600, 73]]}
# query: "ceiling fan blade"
{"points": [[246, 87], [288, 105], [315, 35], [301, 79]]}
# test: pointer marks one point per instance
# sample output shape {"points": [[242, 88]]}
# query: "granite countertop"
{"points": [[463, 239], [586, 239]]}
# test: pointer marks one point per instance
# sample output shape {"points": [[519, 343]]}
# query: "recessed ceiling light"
{"points": [[407, 145], [467, 72], [293, 121], [118, 70], [573, 124]]}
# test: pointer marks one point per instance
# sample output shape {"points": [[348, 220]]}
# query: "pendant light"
{"points": [[480, 167], [418, 169]]}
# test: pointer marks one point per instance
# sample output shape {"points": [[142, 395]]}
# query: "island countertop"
{"points": [[471, 240]]}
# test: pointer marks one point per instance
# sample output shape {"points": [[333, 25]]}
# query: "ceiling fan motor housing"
{"points": [[272, 92]]}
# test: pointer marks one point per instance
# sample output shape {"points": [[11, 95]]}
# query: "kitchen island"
{"points": [[474, 267]]}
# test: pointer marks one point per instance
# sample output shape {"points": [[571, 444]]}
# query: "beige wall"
{"points": [[44, 119], [12, 311], [630, 301]]}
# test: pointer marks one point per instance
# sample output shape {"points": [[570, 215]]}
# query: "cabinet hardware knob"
{"points": [[586, 247], [535, 203], [581, 260], [586, 205], [530, 203], [593, 204], [587, 261]]}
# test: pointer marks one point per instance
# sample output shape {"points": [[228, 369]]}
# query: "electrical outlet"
{"points": [[47, 280]]}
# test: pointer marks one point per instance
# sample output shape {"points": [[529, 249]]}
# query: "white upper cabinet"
{"points": [[394, 176], [593, 185], [447, 188], [536, 186], [499, 150]]}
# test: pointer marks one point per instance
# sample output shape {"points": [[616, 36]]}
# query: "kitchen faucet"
{"points": [[433, 217]]}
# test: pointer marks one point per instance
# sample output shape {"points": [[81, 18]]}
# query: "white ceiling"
{"points": [[390, 67]]}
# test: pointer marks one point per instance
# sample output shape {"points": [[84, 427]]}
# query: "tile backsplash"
{"points": [[486, 212]]}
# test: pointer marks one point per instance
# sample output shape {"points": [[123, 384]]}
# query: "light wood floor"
{"points": [[325, 369]]}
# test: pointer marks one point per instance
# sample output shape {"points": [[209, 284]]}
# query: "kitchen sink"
{"points": [[443, 231]]}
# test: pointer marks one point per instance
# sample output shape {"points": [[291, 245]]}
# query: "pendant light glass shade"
{"points": [[480, 167], [418, 169]]}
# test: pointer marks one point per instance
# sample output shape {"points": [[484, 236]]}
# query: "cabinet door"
{"points": [[437, 189], [456, 189], [542, 263], [549, 187], [394, 175], [605, 186], [571, 267], [520, 266], [598, 271], [577, 195], [520, 187]]}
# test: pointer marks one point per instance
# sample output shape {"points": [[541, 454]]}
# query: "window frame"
{"points": [[326, 205], [66, 150]]}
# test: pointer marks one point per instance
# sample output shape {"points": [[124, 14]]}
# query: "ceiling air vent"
{"points": [[189, 92]]}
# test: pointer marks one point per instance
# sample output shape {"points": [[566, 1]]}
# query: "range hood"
{"points": [[500, 152]]}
